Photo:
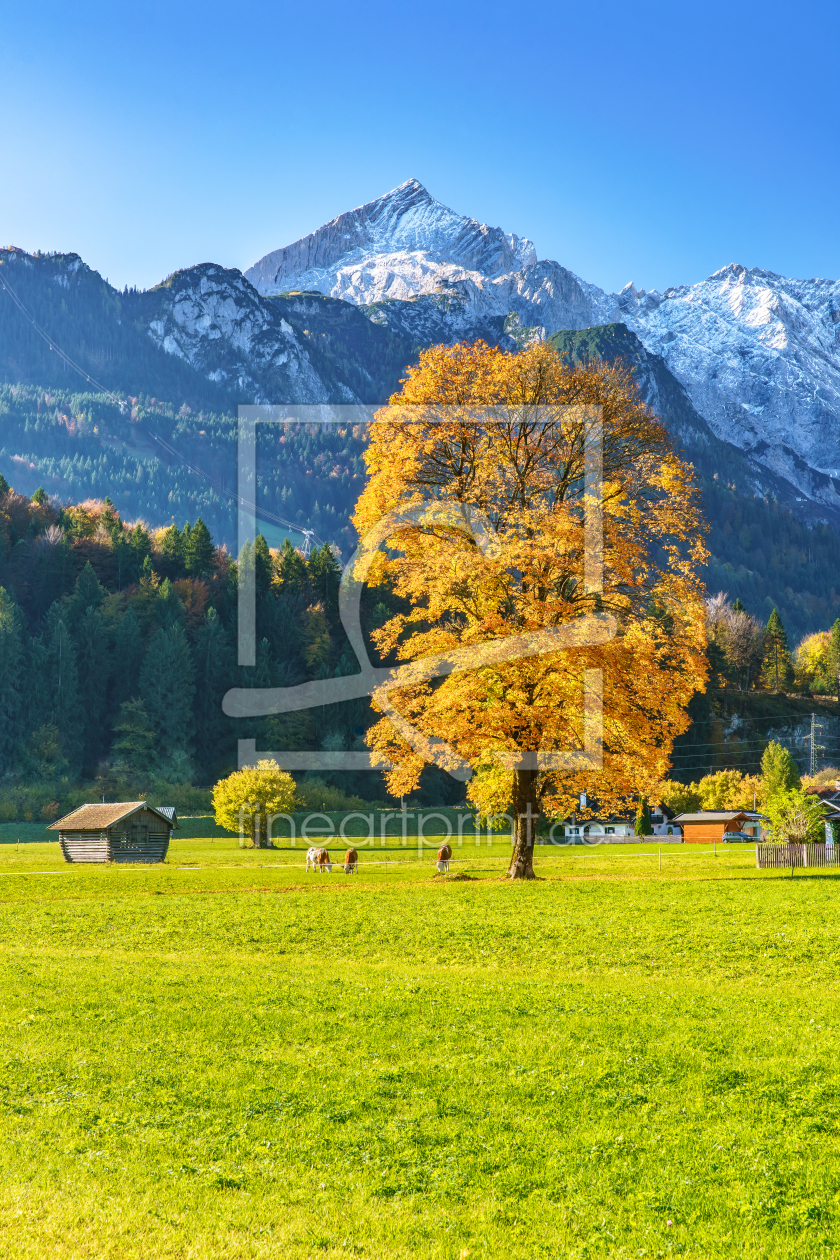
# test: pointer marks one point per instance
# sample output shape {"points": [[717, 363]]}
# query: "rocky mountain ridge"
{"points": [[758, 354], [397, 246]]}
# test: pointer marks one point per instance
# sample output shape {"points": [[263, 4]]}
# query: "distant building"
{"points": [[714, 824], [127, 831], [591, 830]]}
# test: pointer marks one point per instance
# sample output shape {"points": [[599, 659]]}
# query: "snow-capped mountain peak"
{"points": [[398, 246]]}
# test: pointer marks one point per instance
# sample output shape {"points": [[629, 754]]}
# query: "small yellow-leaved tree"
{"points": [[247, 798]]}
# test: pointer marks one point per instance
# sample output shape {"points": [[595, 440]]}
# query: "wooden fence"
{"points": [[787, 856]]}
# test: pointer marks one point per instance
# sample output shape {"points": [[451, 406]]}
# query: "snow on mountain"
{"points": [[760, 358], [398, 246], [758, 354]]}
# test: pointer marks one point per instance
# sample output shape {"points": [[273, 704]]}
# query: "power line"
{"points": [[52, 345]]}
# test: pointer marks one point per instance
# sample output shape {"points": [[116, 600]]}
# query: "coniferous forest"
{"points": [[117, 644]]}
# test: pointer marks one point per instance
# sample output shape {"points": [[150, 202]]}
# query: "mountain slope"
{"points": [[204, 336]]}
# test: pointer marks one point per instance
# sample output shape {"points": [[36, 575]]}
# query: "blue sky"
{"points": [[652, 142]]}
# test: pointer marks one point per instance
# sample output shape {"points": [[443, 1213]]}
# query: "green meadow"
{"points": [[225, 1056]]}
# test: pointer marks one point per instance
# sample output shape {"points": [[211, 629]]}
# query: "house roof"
{"points": [[97, 817], [824, 793], [712, 816]]}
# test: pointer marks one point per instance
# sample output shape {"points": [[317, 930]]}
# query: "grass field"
{"points": [[224, 1056]]}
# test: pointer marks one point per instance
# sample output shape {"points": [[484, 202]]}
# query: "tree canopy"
{"points": [[502, 553], [247, 798]]}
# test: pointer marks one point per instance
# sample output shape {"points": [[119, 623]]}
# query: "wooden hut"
{"points": [[127, 831], [711, 824]]}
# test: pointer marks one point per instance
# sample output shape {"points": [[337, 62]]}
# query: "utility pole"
{"points": [[815, 747]]}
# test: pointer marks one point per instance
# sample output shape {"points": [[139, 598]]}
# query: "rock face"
{"points": [[758, 354], [398, 246], [214, 320]]}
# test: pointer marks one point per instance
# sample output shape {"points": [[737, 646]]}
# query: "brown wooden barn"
{"points": [[127, 831], [711, 824]]}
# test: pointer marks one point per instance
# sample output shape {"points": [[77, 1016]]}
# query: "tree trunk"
{"points": [[526, 812]]}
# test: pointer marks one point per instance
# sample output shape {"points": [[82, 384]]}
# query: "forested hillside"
{"points": [[86, 445], [117, 645]]}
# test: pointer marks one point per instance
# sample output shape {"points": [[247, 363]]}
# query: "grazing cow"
{"points": [[351, 862], [319, 859], [444, 854]]}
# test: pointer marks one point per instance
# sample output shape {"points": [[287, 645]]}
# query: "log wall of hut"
{"points": [[142, 837]]}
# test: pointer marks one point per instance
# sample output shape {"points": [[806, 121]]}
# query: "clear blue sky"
{"points": [[643, 141]]}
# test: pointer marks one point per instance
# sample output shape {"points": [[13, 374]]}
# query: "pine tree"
{"points": [[171, 552], [644, 823], [11, 681], [214, 666], [134, 745], [167, 687], [198, 550], [87, 593], [66, 711], [325, 577], [128, 656], [93, 664], [290, 568], [778, 663], [262, 566], [170, 610], [141, 544]]}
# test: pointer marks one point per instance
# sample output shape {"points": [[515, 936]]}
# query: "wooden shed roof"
{"points": [[98, 817], [712, 816]]}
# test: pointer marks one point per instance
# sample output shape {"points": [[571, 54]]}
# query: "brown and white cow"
{"points": [[443, 858], [320, 860], [351, 862]]}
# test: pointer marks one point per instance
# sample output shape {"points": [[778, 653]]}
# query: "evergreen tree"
{"points": [[325, 578], [167, 687], [644, 823], [134, 746], [171, 552], [93, 664], [262, 566], [11, 681], [214, 666], [37, 697], [778, 772], [198, 550], [778, 663], [290, 568], [65, 709], [87, 593], [128, 657], [170, 609], [141, 545]]}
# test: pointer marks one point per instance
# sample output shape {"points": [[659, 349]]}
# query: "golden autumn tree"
{"points": [[562, 657]]}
